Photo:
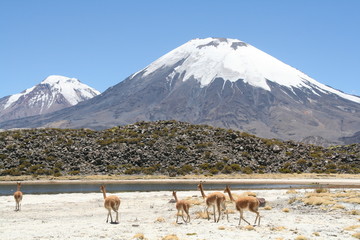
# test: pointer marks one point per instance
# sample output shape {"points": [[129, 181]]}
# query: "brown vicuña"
{"points": [[214, 199], [245, 203], [183, 206], [18, 195], [111, 203]]}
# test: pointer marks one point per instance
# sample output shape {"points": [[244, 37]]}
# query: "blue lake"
{"points": [[55, 188]]}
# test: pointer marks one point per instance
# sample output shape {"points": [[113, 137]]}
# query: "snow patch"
{"points": [[15, 97]]}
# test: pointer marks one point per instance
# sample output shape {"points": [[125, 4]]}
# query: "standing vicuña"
{"points": [[245, 203], [183, 206], [18, 195], [216, 198], [111, 202]]}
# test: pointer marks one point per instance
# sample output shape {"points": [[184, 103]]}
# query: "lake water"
{"points": [[28, 188]]}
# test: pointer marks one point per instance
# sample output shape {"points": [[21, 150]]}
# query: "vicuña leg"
{"points": [[182, 215], [227, 214], [117, 216], [214, 213], [109, 214], [257, 217], [219, 210], [18, 205], [188, 215], [242, 217], [177, 216], [207, 212]]}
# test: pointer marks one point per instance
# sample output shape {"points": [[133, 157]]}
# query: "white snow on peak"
{"points": [[71, 88], [232, 59], [56, 79]]}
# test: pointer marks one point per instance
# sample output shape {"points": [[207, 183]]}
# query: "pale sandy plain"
{"points": [[152, 215]]}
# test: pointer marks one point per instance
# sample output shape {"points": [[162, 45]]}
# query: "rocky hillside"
{"points": [[164, 147]]}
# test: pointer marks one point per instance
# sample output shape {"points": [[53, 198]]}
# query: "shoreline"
{"points": [[333, 182]]}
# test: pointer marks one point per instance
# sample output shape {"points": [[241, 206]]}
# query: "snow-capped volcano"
{"points": [[232, 60], [220, 82], [53, 93]]}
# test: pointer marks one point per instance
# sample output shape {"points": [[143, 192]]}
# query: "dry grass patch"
{"points": [[279, 228], [321, 190], [249, 228], [356, 235], [170, 237], [338, 206], [331, 200], [286, 210], [351, 228], [352, 200], [267, 208], [160, 220], [354, 212], [325, 197], [292, 200], [139, 236], [314, 200], [347, 194], [300, 237]]}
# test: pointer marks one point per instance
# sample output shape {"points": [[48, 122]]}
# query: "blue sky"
{"points": [[101, 42]]}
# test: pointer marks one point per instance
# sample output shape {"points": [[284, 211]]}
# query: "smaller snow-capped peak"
{"points": [[53, 93], [232, 60], [72, 89]]}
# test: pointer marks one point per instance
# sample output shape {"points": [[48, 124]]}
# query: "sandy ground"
{"points": [[152, 215]]}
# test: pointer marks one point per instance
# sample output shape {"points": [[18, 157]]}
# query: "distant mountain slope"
{"points": [[52, 94], [220, 82]]}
